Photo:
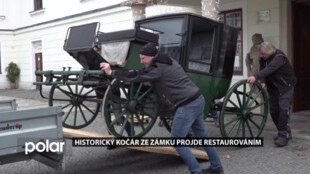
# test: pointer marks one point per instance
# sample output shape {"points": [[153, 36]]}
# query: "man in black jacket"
{"points": [[175, 88], [277, 73]]}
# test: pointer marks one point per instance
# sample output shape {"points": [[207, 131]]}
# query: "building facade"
{"points": [[32, 32]]}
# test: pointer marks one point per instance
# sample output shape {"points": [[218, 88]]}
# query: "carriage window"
{"points": [[170, 33], [201, 46]]}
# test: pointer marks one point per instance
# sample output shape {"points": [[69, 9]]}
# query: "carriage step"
{"points": [[72, 133]]}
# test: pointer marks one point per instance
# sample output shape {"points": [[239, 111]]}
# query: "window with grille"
{"points": [[234, 18], [38, 5]]}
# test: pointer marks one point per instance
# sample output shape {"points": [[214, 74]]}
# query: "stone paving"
{"points": [[294, 158]]}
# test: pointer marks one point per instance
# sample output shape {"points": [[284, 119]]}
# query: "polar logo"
{"points": [[44, 147]]}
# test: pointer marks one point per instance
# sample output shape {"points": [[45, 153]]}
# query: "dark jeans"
{"points": [[280, 112], [190, 116]]}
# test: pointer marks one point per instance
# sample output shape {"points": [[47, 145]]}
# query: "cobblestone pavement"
{"points": [[294, 158]]}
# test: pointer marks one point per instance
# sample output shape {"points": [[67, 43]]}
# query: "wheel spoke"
{"points": [[87, 97], [82, 113], [87, 108], [66, 100], [124, 125], [254, 123], [244, 94], [88, 92], [68, 114], [138, 91], [233, 128], [231, 113], [238, 98], [250, 94], [144, 94], [262, 115], [231, 121], [76, 89], [67, 93], [66, 106], [132, 126], [252, 108], [118, 117], [248, 125], [238, 130], [75, 115], [81, 90], [254, 99], [243, 128], [70, 89], [233, 104]]}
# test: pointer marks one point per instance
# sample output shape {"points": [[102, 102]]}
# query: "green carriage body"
{"points": [[193, 40]]}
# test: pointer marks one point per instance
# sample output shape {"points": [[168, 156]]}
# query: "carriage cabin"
{"points": [[203, 47]]}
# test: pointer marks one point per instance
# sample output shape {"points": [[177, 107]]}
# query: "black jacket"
{"points": [[277, 73], [168, 79]]}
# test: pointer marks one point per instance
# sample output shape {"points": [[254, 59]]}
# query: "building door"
{"points": [[301, 57], [38, 60]]}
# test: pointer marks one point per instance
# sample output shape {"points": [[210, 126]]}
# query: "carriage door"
{"points": [[200, 55]]}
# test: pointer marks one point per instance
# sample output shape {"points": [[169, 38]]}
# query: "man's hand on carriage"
{"points": [[106, 68], [251, 79]]}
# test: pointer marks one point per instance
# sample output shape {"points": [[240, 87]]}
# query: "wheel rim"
{"points": [[244, 112], [77, 105], [130, 109]]}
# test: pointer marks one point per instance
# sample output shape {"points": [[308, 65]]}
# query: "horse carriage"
{"points": [[203, 47]]}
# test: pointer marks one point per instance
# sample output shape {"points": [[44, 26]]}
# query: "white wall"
{"points": [[269, 30], [17, 11], [7, 55], [52, 36]]}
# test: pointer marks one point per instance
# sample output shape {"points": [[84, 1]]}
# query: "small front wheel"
{"points": [[130, 109]]}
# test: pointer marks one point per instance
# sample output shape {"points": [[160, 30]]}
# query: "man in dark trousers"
{"points": [[174, 87], [277, 73]]}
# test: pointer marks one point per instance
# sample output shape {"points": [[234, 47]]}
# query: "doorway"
{"points": [[38, 59], [301, 57]]}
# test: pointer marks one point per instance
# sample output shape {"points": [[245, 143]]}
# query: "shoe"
{"points": [[281, 142], [213, 171], [288, 138]]}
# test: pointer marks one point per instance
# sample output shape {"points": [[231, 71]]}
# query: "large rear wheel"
{"points": [[244, 111]]}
